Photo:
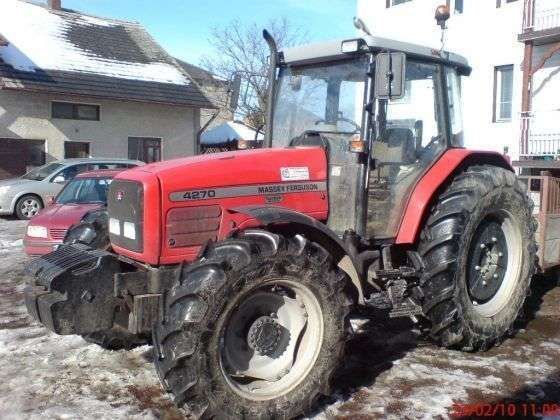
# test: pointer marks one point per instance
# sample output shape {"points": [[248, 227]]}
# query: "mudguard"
{"points": [[427, 188], [270, 215]]}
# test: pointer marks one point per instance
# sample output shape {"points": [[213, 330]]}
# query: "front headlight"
{"points": [[37, 231]]}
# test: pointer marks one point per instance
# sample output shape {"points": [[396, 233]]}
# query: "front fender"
{"points": [[313, 230], [432, 182]]}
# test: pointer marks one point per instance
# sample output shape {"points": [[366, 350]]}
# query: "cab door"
{"points": [[411, 135]]}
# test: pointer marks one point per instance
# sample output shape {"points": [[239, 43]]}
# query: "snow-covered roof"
{"points": [[51, 44], [228, 132]]}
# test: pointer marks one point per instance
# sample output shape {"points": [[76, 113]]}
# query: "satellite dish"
{"points": [[361, 26]]}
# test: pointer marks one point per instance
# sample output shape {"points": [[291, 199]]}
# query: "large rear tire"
{"points": [[255, 329], [480, 254]]}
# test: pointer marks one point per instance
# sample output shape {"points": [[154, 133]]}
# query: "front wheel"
{"points": [[253, 330], [480, 254], [28, 206]]}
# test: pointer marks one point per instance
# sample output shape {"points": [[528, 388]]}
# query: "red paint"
{"points": [[61, 217], [426, 188], [240, 168]]}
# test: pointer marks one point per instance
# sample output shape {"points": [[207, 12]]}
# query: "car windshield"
{"points": [[326, 99], [85, 190], [40, 173]]}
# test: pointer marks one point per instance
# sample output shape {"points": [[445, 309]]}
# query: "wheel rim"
{"points": [[30, 207], [494, 263], [271, 339]]}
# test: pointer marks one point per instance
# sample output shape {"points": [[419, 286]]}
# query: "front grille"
{"points": [[58, 234], [192, 226], [125, 205]]}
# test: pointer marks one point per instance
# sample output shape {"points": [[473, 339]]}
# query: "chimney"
{"points": [[54, 4]]}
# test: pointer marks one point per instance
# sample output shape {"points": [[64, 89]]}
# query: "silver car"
{"points": [[27, 195]]}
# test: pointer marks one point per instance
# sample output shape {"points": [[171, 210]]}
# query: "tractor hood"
{"points": [[249, 167], [176, 206]]}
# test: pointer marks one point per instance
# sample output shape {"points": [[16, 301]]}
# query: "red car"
{"points": [[86, 192]]}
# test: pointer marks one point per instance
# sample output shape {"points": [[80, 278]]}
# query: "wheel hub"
{"points": [[271, 339], [266, 335], [487, 262]]}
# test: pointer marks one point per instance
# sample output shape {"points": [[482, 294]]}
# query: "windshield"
{"points": [[85, 190], [38, 174], [326, 99]]}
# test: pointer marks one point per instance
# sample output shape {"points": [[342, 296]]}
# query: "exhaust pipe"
{"points": [[271, 86]]}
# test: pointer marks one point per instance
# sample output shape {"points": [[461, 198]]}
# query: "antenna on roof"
{"points": [[442, 16], [361, 26]]}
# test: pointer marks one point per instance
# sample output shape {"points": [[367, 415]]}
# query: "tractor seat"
{"points": [[395, 147]]}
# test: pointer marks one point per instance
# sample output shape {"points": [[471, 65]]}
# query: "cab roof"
{"points": [[332, 50]]}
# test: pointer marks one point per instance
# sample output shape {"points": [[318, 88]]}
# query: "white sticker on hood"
{"points": [[294, 174]]}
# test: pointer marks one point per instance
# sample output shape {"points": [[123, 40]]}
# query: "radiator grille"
{"points": [[192, 226], [125, 204], [58, 234]]}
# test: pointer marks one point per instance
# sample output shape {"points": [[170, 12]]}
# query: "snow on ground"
{"points": [[388, 374]]}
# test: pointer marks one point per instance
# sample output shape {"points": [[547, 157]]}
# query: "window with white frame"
{"points": [[459, 6], [390, 3], [503, 93]]}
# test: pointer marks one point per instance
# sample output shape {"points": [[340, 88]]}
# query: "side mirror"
{"points": [[59, 179], [390, 75]]}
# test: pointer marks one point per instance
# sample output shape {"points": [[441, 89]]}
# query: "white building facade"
{"points": [[486, 33]]}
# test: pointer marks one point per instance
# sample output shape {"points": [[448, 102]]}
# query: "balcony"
{"points": [[541, 21], [540, 134]]}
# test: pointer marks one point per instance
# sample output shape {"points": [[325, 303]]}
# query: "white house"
{"points": [[74, 85], [486, 33]]}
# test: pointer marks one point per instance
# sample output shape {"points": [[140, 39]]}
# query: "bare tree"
{"points": [[239, 49]]}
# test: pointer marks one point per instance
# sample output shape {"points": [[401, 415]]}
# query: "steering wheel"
{"points": [[309, 138]]}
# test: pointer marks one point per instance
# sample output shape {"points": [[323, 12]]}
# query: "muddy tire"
{"points": [[236, 317], [480, 254], [117, 338]]}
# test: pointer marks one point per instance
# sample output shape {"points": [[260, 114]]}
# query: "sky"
{"points": [[183, 27]]}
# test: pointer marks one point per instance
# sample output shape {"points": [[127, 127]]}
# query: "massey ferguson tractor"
{"points": [[241, 268]]}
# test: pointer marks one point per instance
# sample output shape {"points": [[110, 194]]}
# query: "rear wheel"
{"points": [[480, 254], [28, 206], [254, 330]]}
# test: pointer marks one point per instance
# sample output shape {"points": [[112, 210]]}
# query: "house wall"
{"points": [[28, 115], [485, 35]]}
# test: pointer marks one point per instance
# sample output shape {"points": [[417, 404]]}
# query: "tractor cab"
{"points": [[383, 110]]}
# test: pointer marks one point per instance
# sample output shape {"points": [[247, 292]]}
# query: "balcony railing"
{"points": [[541, 15], [540, 133]]}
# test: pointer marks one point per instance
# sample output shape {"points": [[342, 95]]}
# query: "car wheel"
{"points": [[28, 206]]}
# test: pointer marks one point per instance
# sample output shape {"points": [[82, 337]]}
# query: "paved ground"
{"points": [[388, 375]]}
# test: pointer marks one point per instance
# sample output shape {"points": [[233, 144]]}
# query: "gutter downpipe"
{"points": [[271, 86]]}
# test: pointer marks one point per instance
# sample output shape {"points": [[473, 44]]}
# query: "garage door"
{"points": [[11, 163], [17, 156]]}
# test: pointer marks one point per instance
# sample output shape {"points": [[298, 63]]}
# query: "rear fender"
{"points": [[284, 220], [434, 181]]}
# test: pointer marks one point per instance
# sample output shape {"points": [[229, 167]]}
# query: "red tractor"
{"points": [[242, 267]]}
